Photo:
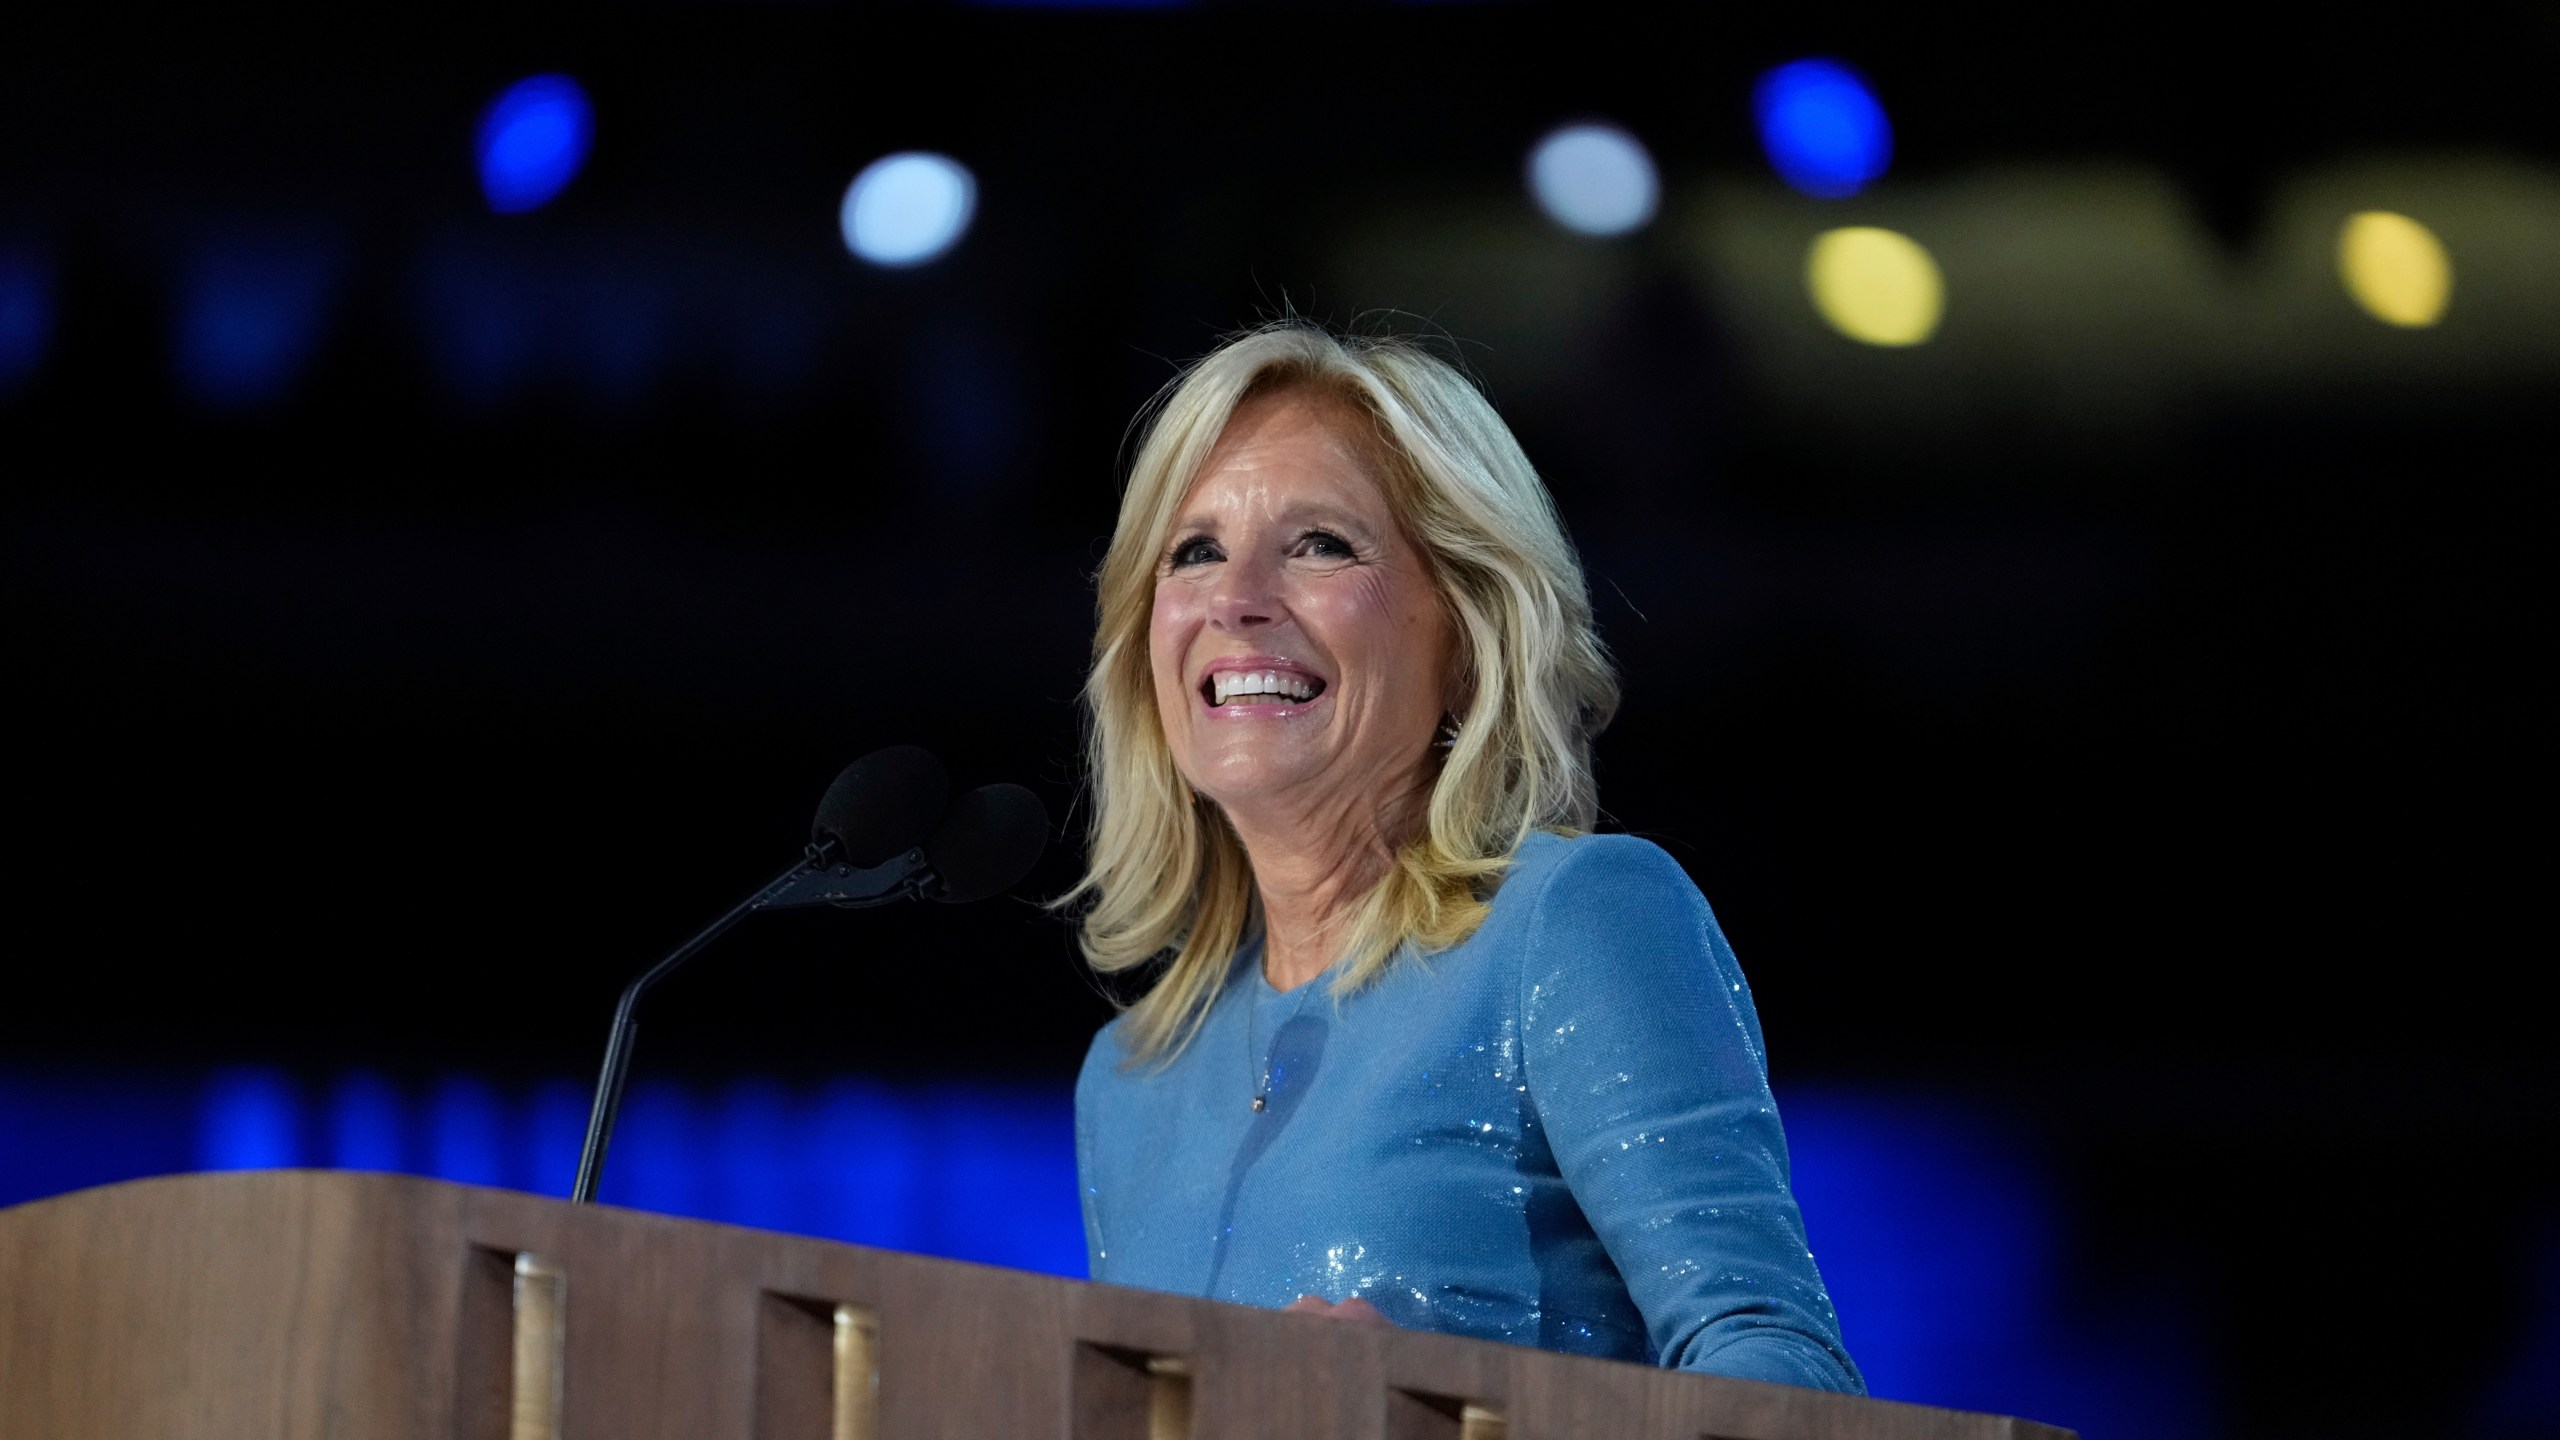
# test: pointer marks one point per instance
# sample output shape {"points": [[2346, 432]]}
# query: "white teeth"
{"points": [[1227, 685]]}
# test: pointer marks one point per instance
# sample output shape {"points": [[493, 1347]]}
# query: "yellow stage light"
{"points": [[1875, 286], [2395, 268]]}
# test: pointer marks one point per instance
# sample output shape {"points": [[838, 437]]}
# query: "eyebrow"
{"points": [[1304, 512]]}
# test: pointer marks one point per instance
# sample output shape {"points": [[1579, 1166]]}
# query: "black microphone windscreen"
{"points": [[884, 803], [990, 840]]}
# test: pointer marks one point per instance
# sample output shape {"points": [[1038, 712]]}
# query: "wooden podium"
{"points": [[295, 1305]]}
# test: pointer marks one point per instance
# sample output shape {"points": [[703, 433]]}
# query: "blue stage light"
{"points": [[1822, 127], [554, 1128], [907, 208], [1940, 1232], [365, 1124], [252, 312], [532, 141], [868, 1164], [70, 1130], [465, 1132], [26, 314], [751, 1146], [249, 1119]]}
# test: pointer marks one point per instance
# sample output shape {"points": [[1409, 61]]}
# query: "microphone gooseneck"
{"points": [[626, 1028], [874, 841]]}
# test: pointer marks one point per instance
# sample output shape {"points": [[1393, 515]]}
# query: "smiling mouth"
{"points": [[1259, 687]]}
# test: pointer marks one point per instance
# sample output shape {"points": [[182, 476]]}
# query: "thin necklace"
{"points": [[1261, 1084]]}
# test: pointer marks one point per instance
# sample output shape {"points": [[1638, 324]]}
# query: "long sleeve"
{"points": [[1643, 1059], [1088, 1186]]}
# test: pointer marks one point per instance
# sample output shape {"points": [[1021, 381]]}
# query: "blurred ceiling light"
{"points": [[2395, 268], [1875, 286], [908, 208], [1594, 179], [1822, 127], [532, 141], [26, 313], [252, 314]]}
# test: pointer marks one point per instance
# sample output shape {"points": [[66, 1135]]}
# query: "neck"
{"points": [[1312, 864]]}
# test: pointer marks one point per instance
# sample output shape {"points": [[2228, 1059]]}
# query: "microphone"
{"points": [[990, 840], [874, 841], [881, 804]]}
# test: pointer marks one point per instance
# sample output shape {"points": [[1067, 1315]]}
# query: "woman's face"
{"points": [[1300, 652]]}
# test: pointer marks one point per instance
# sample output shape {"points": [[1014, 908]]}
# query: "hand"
{"points": [[1354, 1309]]}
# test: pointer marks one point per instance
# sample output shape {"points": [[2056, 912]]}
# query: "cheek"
{"points": [[1370, 598], [1396, 627], [1169, 628]]}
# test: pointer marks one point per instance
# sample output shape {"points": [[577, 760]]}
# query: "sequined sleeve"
{"points": [[1644, 1062], [1088, 1189]]}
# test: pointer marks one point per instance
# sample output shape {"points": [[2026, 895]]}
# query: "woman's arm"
{"points": [[1088, 1177], [1643, 1056]]}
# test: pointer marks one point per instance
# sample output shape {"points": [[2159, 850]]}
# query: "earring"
{"points": [[1448, 736]]}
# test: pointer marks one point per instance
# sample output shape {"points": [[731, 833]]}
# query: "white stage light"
{"points": [[908, 208], [1594, 179]]}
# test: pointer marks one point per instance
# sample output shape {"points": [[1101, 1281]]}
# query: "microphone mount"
{"points": [[823, 878], [818, 878], [982, 845]]}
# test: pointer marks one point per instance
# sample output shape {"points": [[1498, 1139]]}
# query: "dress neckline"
{"points": [[1264, 992]]}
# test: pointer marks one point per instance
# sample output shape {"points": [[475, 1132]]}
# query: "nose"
{"points": [[1246, 596]]}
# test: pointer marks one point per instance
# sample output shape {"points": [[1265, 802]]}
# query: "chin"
{"points": [[1239, 772]]}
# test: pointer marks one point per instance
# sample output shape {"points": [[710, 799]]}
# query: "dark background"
{"points": [[2162, 787]]}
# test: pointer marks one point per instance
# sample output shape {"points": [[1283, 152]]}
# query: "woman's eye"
{"points": [[1325, 545], [1197, 550]]}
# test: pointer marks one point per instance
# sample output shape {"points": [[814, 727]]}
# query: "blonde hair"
{"points": [[1166, 875]]}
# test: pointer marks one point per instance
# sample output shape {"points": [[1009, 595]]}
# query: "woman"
{"points": [[1421, 1048]]}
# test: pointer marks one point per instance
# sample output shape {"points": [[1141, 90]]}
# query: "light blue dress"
{"points": [[1558, 1133]]}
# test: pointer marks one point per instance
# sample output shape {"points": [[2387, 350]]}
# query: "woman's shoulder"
{"points": [[1612, 924], [1110, 1048], [1113, 1060], [1621, 896], [1551, 869], [1112, 1074]]}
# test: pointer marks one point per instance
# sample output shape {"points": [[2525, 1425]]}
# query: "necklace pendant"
{"points": [[1259, 1101]]}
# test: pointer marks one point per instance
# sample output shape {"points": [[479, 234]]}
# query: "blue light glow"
{"points": [[1822, 127], [466, 1133], [506, 311], [1941, 1234], [753, 1148], [249, 1120], [553, 1129], [2525, 1399], [970, 1170], [67, 1132], [970, 403], [907, 208], [252, 309], [26, 313], [1942, 1243], [365, 1124], [483, 311], [532, 141]]}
